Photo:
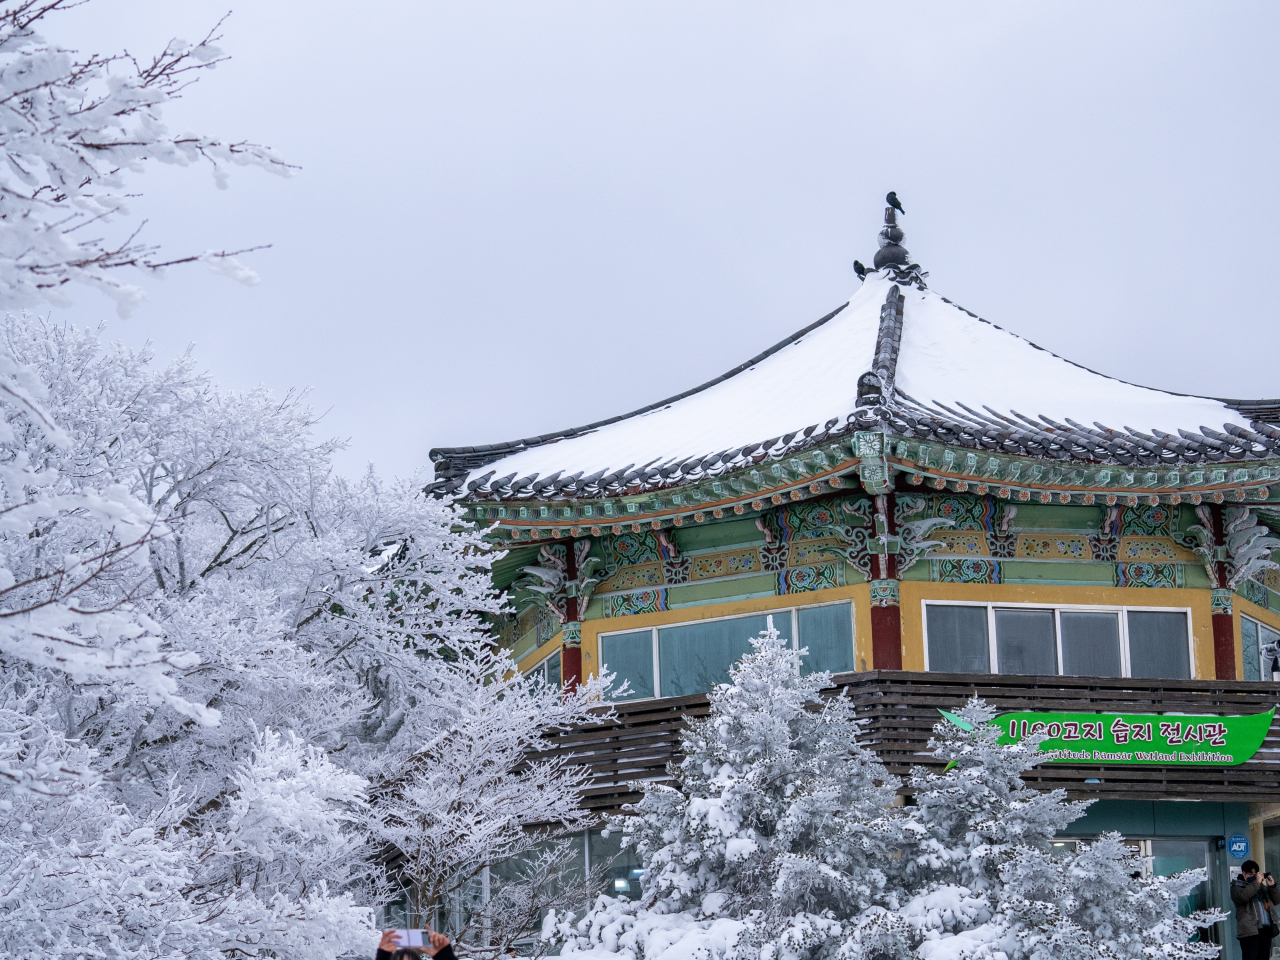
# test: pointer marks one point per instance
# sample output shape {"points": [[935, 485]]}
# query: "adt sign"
{"points": [[1238, 846]]}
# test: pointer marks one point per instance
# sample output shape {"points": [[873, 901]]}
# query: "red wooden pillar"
{"points": [[571, 645], [886, 615], [886, 627], [1224, 636], [1224, 624], [571, 655]]}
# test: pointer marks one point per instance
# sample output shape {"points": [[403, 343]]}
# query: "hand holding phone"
{"points": [[388, 943], [434, 943], [428, 941]]}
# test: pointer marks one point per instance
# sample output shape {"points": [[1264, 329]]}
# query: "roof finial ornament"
{"points": [[892, 252], [892, 255]]}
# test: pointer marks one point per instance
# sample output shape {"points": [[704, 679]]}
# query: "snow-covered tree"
{"points": [[267, 640], [979, 812], [210, 644], [1093, 903], [71, 126], [82, 873], [782, 823], [310, 600], [782, 842], [477, 817], [978, 879], [82, 876], [282, 874]]}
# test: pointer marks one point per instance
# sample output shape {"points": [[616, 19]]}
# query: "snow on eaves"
{"points": [[956, 376]]}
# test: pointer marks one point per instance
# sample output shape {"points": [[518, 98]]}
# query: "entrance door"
{"points": [[1164, 858]]}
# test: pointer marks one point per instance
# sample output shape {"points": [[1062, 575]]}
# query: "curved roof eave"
{"points": [[919, 353]]}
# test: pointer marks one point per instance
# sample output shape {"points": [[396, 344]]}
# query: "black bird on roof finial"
{"points": [[860, 270], [892, 200]]}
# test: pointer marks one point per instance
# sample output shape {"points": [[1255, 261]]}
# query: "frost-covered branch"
{"points": [[477, 795], [71, 128]]}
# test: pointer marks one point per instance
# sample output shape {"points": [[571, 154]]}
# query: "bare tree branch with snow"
{"points": [[72, 127]]}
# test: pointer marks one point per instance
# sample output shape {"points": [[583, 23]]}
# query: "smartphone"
{"points": [[412, 938]]}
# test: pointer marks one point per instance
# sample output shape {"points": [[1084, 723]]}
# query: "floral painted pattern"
{"points": [[725, 564], [812, 551], [1147, 520], [1149, 575], [634, 577], [629, 548], [822, 576], [1152, 548], [960, 543], [630, 604], [1042, 547], [964, 570]]}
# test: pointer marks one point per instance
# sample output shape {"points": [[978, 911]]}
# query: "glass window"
{"points": [[958, 639], [1090, 644], [1158, 645], [1249, 646], [693, 658], [630, 656], [1271, 845], [1025, 642], [523, 870], [549, 669], [1268, 648], [622, 869], [1063, 848], [828, 633]]}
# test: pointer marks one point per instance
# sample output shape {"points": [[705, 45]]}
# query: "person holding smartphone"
{"points": [[389, 947], [1253, 895]]}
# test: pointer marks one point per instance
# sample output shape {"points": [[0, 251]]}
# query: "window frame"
{"points": [[541, 666], [793, 612], [1263, 676], [1121, 611]]}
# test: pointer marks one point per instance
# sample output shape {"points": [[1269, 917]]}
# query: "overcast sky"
{"points": [[517, 217]]}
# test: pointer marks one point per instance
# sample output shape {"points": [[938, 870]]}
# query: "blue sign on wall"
{"points": [[1238, 846]]}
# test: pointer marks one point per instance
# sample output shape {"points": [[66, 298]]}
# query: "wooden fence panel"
{"points": [[900, 708]]}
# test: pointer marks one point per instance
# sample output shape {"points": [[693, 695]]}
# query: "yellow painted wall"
{"points": [[538, 654]]}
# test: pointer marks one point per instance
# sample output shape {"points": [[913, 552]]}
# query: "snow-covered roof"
{"points": [[898, 358]]}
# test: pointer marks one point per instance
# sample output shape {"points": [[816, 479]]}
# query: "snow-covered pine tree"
{"points": [[975, 816], [776, 792], [978, 880], [1096, 903], [781, 827]]}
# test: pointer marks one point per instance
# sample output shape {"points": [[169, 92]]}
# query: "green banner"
{"points": [[1165, 739]]}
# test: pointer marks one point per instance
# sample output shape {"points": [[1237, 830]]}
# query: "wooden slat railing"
{"points": [[900, 709]]}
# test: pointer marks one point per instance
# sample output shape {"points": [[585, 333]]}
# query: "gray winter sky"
{"points": [[521, 216]]}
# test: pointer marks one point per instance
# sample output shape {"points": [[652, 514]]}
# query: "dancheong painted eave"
{"points": [[958, 402]]}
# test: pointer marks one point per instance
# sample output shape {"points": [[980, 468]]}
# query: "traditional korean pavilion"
{"points": [[903, 486], [897, 451]]}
